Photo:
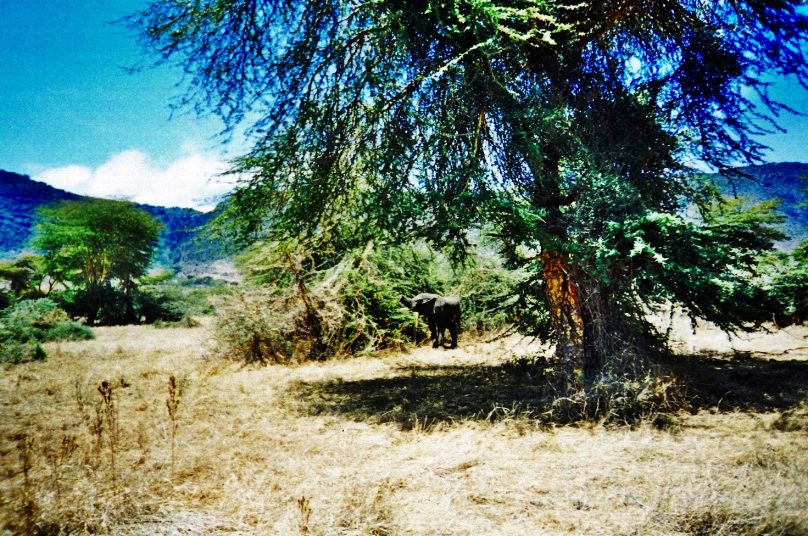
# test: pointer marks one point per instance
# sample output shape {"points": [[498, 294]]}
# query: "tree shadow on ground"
{"points": [[430, 395], [740, 382], [426, 396]]}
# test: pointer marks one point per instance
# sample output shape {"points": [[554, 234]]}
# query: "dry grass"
{"points": [[417, 443]]}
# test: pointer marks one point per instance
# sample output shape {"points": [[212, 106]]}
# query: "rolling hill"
{"points": [[20, 196], [786, 181], [179, 248]]}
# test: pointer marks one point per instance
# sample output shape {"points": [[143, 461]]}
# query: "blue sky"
{"points": [[73, 117]]}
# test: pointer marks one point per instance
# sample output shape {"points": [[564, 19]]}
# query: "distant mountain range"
{"points": [[786, 181], [179, 247]]}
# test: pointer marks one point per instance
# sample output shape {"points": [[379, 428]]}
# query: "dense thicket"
{"points": [[566, 126], [310, 308]]}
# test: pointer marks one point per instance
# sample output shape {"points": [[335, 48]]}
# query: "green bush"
{"points": [[788, 284], [44, 320], [353, 306], [488, 294], [169, 302], [67, 331], [16, 351], [98, 305], [161, 303], [30, 322]]}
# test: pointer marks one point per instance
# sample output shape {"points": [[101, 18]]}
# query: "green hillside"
{"points": [[20, 196]]}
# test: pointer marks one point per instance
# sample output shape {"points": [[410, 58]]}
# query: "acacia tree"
{"points": [[566, 126], [94, 244]]}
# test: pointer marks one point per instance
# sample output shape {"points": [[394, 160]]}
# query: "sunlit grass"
{"points": [[388, 445]]}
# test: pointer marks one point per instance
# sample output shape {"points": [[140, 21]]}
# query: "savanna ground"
{"points": [[421, 442]]}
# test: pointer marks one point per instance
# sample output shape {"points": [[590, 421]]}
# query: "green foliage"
{"points": [[30, 322], [489, 294], [786, 277], [425, 109], [25, 278], [567, 127], [44, 320], [351, 306], [97, 304], [100, 247], [19, 350], [708, 267], [94, 242], [169, 302]]}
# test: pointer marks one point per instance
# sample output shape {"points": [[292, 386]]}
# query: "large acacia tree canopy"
{"points": [[90, 243], [565, 126], [423, 107]]}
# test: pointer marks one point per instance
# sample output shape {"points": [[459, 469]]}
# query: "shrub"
{"points": [[103, 305], [44, 321], [161, 303], [28, 323], [488, 292], [353, 306], [13, 350], [169, 303], [67, 331], [788, 273], [253, 328]]}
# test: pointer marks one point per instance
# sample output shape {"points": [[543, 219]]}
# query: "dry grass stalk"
{"points": [[29, 507], [305, 514], [110, 417], [420, 443], [172, 403]]}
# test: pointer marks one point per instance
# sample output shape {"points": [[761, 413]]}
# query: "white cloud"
{"points": [[190, 181]]}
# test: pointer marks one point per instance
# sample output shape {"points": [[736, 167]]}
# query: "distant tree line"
{"points": [[92, 267]]}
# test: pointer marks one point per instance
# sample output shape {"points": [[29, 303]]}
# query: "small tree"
{"points": [[24, 278], [95, 246]]}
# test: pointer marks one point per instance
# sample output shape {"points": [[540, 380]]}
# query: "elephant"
{"points": [[441, 312]]}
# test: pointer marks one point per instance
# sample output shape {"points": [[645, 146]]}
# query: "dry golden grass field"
{"points": [[99, 439]]}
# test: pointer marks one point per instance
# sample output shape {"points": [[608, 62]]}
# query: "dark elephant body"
{"points": [[441, 312]]}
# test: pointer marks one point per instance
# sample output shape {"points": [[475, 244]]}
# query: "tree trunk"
{"points": [[566, 316], [129, 301]]}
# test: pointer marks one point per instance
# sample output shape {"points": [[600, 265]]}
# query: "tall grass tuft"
{"points": [[109, 415], [172, 404], [28, 503]]}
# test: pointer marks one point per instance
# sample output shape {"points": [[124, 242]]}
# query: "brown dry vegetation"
{"points": [[426, 442]]}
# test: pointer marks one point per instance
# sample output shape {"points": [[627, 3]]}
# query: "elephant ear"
{"points": [[424, 304]]}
